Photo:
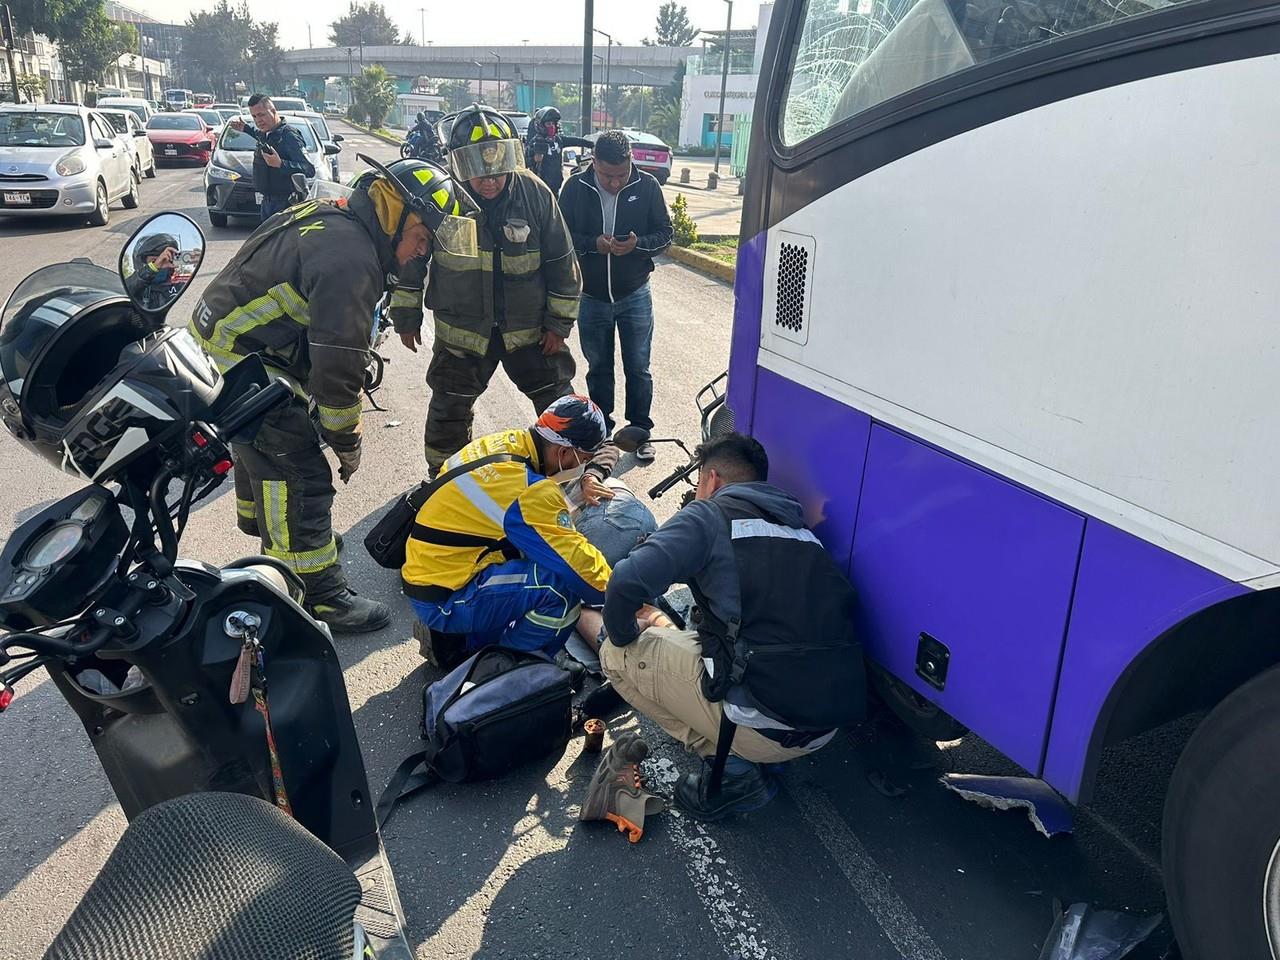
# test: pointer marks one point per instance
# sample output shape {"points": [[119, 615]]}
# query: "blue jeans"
{"points": [[632, 317], [516, 604], [272, 204]]}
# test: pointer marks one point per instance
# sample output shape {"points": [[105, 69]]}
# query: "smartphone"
{"points": [[266, 148]]}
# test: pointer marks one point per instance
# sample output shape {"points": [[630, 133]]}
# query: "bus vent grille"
{"points": [[793, 274]]}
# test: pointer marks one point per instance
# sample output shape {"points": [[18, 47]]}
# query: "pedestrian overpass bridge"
{"points": [[522, 66]]}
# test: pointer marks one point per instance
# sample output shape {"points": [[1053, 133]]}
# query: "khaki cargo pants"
{"points": [[660, 674]]}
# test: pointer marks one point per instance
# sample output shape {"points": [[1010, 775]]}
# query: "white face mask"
{"points": [[568, 475]]}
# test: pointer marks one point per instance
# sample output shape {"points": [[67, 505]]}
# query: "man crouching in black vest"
{"points": [[773, 666]]}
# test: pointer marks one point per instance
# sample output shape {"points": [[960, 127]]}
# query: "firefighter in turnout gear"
{"points": [[514, 305], [301, 293]]}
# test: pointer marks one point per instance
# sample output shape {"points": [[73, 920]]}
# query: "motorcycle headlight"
{"points": [[70, 165]]}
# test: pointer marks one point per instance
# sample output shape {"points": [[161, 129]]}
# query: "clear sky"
{"points": [[474, 22]]}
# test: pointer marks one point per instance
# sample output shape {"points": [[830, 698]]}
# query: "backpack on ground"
{"points": [[497, 710]]}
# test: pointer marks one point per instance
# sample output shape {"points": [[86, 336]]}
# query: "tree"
{"points": [[265, 57], [95, 46], [56, 19], [457, 93], [218, 45], [31, 85], [364, 23], [408, 40], [373, 93], [673, 28], [664, 122]]}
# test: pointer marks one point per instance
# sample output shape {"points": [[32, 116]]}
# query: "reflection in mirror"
{"points": [[628, 439], [160, 260]]}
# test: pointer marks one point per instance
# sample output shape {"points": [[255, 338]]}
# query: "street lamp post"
{"points": [[6, 26], [423, 12], [643, 91], [596, 56], [479, 80], [724, 83], [498, 76], [608, 64], [350, 100], [588, 31]]}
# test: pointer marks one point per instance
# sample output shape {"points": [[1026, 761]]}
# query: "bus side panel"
{"points": [[1128, 593], [748, 297], [817, 448], [979, 564]]}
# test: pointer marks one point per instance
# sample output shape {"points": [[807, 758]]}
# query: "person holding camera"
{"points": [[280, 154], [619, 221]]}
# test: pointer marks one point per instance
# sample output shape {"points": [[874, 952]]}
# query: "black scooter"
{"points": [[190, 679]]}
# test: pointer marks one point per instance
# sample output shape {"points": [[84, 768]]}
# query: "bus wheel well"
{"points": [[1192, 666]]}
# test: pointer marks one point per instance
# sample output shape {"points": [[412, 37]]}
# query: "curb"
{"points": [[710, 266]]}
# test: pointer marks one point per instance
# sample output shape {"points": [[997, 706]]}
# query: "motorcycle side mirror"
{"points": [[628, 439], [159, 261], [299, 182]]}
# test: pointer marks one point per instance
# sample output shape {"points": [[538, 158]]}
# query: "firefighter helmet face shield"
{"points": [[455, 235], [487, 158]]}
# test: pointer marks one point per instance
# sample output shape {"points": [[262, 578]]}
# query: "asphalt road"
{"points": [[835, 867]]}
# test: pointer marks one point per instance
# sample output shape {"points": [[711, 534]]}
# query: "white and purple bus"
{"points": [[1006, 320]]}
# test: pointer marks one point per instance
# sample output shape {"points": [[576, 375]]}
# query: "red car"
{"points": [[180, 136]]}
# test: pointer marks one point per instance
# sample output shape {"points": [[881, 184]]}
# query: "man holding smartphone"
{"points": [[619, 221], [280, 154]]}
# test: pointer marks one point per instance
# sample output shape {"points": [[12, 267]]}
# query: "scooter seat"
{"points": [[215, 876]]}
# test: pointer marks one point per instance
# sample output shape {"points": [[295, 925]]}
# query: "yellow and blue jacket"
{"points": [[497, 512]]}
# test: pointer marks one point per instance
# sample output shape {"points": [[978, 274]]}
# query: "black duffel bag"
{"points": [[386, 541], [499, 709]]}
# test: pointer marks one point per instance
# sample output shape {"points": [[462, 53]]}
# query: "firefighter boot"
{"points": [[348, 612], [616, 793]]}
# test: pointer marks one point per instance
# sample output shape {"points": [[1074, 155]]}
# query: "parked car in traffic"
{"points": [[180, 136], [651, 154], [228, 180], [326, 137], [332, 109], [203, 99], [126, 124], [228, 111], [212, 117], [140, 108], [63, 160], [291, 105]]}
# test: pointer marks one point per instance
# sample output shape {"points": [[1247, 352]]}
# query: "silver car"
{"points": [[59, 160], [127, 125]]}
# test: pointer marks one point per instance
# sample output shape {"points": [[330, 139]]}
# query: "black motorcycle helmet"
{"points": [[153, 246], [88, 383], [541, 117], [484, 143]]}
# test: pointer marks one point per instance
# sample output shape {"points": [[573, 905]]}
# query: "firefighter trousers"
{"points": [[457, 379], [284, 495]]}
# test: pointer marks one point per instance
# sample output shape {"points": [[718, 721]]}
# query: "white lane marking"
{"points": [[893, 916], [735, 924]]}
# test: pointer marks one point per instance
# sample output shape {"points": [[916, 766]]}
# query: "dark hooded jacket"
{"points": [[776, 616], [300, 292]]}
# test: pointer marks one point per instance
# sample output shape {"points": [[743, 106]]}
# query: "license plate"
{"points": [[16, 198], [170, 151], [257, 198]]}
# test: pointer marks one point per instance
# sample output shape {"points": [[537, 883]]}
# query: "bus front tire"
{"points": [[1221, 834]]}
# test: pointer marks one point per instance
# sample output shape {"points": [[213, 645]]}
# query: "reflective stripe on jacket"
{"points": [[499, 502], [301, 293], [523, 236]]}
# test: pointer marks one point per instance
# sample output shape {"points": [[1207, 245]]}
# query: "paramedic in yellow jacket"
{"points": [[494, 554]]}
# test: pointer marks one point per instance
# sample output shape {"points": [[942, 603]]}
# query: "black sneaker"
{"points": [[739, 793], [348, 612], [645, 453], [442, 650], [603, 702]]}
